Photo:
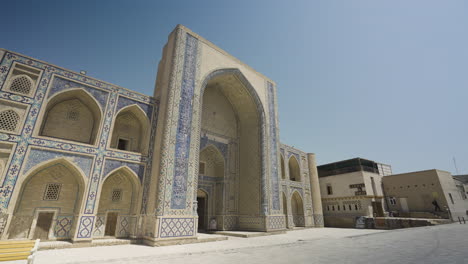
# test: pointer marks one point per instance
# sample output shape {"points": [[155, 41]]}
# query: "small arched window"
{"points": [[21, 84], [9, 120]]}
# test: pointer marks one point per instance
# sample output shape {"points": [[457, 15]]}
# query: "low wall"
{"points": [[397, 223]]}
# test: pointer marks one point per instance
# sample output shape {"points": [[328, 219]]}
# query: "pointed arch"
{"points": [[55, 187], [294, 169], [131, 128], [297, 208], [119, 191], [73, 114], [240, 99], [212, 161]]}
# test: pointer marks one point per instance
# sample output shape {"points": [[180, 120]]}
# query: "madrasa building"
{"points": [[83, 159]]}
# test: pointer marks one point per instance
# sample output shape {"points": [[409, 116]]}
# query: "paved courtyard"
{"points": [[437, 244]]}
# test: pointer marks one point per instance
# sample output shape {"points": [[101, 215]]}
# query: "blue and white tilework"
{"points": [[177, 227], [37, 156], [89, 158], [61, 84], [182, 141], [111, 165], [274, 157]]}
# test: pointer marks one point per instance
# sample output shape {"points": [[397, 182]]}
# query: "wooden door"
{"points": [[111, 224], [44, 222]]}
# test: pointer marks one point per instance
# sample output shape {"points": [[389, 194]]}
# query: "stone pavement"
{"points": [[434, 244]]}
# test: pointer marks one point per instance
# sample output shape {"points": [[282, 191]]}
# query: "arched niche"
{"points": [[131, 130], [49, 202], [72, 115], [211, 162], [294, 169], [231, 108], [118, 197], [297, 209]]}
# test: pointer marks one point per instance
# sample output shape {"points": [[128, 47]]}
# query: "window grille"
{"points": [[52, 192], [73, 115], [9, 120], [116, 195], [21, 84]]}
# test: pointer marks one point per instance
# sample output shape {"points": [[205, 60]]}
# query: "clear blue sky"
{"points": [[382, 80]]}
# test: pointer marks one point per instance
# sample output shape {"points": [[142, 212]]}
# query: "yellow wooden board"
{"points": [[14, 256], [28, 245], [11, 250]]}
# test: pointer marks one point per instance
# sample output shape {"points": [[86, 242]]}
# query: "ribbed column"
{"points": [[315, 189]]}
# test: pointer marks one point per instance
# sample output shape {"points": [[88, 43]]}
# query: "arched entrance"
{"points": [[118, 202], [297, 209], [232, 116], [131, 129], [294, 169], [211, 178], [49, 202]]}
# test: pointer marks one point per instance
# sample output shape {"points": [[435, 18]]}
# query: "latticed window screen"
{"points": [[21, 84], [73, 115], [9, 120], [52, 192], [116, 195]]}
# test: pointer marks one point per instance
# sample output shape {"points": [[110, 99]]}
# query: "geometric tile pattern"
{"points": [[63, 226], [52, 81], [182, 140], [37, 156], [61, 83], [124, 101], [86, 227], [274, 157], [3, 222], [230, 222], [111, 165], [99, 226], [277, 222], [177, 227]]}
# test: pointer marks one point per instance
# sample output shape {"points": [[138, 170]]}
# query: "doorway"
{"points": [[378, 209], [201, 211], [44, 222], [111, 224]]}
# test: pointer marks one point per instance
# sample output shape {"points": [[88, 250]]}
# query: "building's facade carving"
{"points": [[81, 159]]}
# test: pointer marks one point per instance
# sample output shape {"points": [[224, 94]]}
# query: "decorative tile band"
{"points": [[273, 147], [85, 229], [37, 156], [182, 143], [177, 227]]}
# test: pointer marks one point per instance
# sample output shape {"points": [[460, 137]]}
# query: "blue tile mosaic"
{"points": [[60, 84], [182, 144], [273, 147], [222, 147], [106, 94], [37, 156], [111, 165], [123, 102]]}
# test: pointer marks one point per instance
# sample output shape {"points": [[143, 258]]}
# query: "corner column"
{"points": [[315, 189]]}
